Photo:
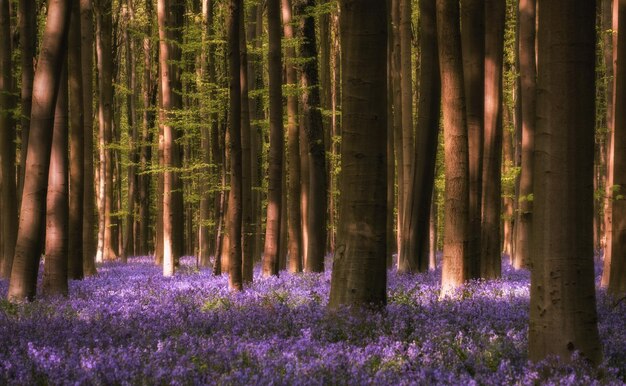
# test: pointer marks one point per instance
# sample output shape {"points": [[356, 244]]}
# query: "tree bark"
{"points": [[491, 257], [359, 274], [274, 194], [563, 315], [456, 257], [54, 281], [45, 89]]}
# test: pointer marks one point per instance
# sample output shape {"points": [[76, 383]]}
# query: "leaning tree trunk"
{"points": [[491, 257], [54, 281], [456, 257], [8, 197], [274, 194], [563, 318], [77, 147], [528, 75], [45, 87], [359, 274]]}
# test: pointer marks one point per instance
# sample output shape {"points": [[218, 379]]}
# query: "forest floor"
{"points": [[130, 325]]}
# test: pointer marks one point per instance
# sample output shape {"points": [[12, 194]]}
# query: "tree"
{"points": [[456, 224], [274, 190], [562, 307], [491, 257], [418, 205], [8, 198], [528, 75], [614, 275], [314, 130], [77, 147], [359, 274], [57, 207], [235, 281], [45, 87]]}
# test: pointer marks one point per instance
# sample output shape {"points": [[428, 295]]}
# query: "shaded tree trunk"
{"points": [[563, 315], [45, 89], [274, 194], [359, 275], [456, 257]]}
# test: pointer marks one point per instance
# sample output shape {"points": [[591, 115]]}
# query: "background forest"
{"points": [[312, 191]]}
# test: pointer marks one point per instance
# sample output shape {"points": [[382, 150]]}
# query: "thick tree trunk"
{"points": [[528, 73], [45, 87], [86, 52], [8, 196], [456, 257], [563, 317], [417, 208], [77, 147], [491, 257], [274, 194], [359, 274], [57, 217], [314, 129]]}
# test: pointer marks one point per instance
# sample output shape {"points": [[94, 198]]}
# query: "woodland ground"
{"points": [[130, 325]]}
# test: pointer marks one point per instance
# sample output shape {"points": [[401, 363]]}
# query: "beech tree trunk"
{"points": [[456, 256], [45, 89], [57, 217], [77, 147], [274, 194], [8, 196], [359, 274], [563, 315], [528, 74]]}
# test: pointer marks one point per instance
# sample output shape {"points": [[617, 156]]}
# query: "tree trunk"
{"points": [[563, 315], [45, 88], [77, 147], [359, 274], [528, 73], [396, 84], [314, 129], [417, 208], [274, 194], [491, 257], [8, 197], [57, 217], [456, 257], [293, 148]]}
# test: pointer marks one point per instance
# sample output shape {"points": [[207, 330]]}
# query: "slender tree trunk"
{"points": [[508, 190], [432, 234], [609, 30], [473, 51], [491, 257], [528, 73], [57, 211], [417, 208], [274, 195], [391, 170], [359, 274], [77, 147], [45, 87], [314, 129], [293, 148], [396, 72], [86, 52], [563, 315], [8, 196], [456, 257]]}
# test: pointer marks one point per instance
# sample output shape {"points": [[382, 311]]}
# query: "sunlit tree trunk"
{"points": [[508, 191], [528, 73], [57, 217], [77, 147], [563, 317], [274, 195], [456, 223], [32, 211], [314, 130], [359, 275], [417, 206], [396, 85], [8, 196]]}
